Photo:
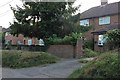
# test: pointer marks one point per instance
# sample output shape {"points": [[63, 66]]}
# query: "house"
{"points": [[0, 36], [18, 40], [102, 18]]}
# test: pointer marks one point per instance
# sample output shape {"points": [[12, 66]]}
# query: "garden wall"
{"points": [[67, 51], [62, 51]]}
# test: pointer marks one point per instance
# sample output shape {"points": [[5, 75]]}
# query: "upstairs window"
{"points": [[84, 22], [104, 20]]}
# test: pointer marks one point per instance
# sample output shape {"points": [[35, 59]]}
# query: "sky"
{"points": [[6, 14]]}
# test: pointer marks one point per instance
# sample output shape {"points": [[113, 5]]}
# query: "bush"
{"points": [[113, 37], [68, 39], [90, 53], [105, 66], [20, 59], [88, 44]]}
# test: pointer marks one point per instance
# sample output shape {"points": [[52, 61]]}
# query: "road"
{"points": [[61, 69]]}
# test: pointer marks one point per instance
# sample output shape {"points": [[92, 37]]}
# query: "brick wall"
{"points": [[94, 22], [67, 51], [64, 51]]}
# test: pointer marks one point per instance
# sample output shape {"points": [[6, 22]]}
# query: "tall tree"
{"points": [[41, 19]]}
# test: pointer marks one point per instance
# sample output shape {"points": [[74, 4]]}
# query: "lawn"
{"points": [[21, 59]]}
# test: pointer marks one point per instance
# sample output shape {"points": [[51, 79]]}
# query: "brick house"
{"points": [[18, 40], [102, 18]]}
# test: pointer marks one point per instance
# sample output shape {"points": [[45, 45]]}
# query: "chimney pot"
{"points": [[103, 2]]}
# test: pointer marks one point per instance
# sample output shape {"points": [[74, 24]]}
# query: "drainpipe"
{"points": [[93, 34]]}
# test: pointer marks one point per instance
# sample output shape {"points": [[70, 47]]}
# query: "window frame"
{"points": [[86, 22], [101, 39], [105, 20]]}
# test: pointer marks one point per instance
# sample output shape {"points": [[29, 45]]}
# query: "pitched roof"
{"points": [[102, 10], [6, 29]]}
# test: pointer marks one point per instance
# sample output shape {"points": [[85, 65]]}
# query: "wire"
{"points": [[3, 14], [5, 4]]}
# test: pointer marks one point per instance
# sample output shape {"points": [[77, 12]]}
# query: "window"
{"points": [[41, 42], [84, 22], [104, 20], [7, 33], [101, 40], [29, 42]]}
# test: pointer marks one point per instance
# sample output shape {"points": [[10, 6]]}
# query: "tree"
{"points": [[41, 20]]}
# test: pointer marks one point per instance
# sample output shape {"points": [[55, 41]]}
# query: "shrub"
{"points": [[104, 66], [90, 53], [113, 37], [88, 44], [68, 39], [19, 59]]}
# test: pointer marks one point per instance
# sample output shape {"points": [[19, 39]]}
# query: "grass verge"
{"points": [[104, 66], [21, 59]]}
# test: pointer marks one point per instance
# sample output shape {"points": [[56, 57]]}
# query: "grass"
{"points": [[88, 53], [105, 65], [84, 61], [21, 59]]}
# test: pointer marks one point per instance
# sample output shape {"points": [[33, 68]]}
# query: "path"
{"points": [[61, 69]]}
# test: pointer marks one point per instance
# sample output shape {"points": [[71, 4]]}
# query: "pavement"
{"points": [[61, 69]]}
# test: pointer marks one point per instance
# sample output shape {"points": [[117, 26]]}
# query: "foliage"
{"points": [[88, 44], [90, 53], [85, 28], [20, 59], [70, 39], [0, 35], [42, 19], [104, 66], [114, 37], [84, 61]]}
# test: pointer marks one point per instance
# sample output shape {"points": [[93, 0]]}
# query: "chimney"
{"points": [[103, 2]]}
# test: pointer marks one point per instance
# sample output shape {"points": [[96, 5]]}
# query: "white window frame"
{"points": [[101, 39], [84, 22], [29, 42], [104, 20], [7, 33]]}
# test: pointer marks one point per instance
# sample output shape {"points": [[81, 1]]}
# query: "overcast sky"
{"points": [[6, 15]]}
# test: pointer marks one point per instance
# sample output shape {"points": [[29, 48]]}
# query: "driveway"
{"points": [[62, 69]]}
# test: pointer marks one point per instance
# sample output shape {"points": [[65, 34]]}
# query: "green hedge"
{"points": [[20, 59]]}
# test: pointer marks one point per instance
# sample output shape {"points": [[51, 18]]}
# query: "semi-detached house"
{"points": [[102, 18]]}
